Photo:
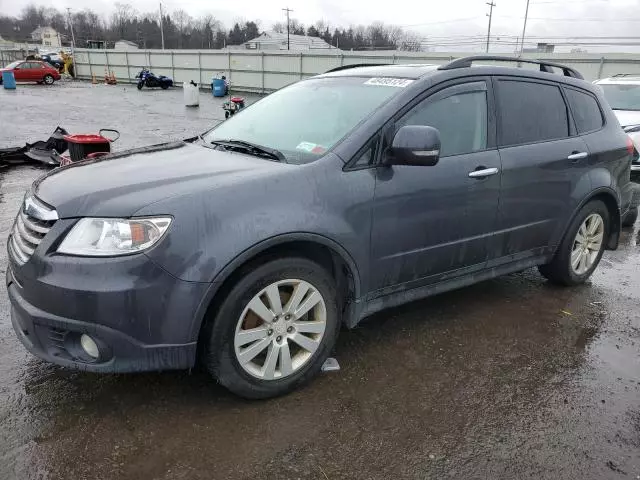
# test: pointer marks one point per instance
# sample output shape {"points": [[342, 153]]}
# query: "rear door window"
{"points": [[530, 112], [585, 110]]}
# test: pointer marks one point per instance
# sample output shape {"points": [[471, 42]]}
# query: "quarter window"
{"points": [[585, 110], [461, 119], [531, 112]]}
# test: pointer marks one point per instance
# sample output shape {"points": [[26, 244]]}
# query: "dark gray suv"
{"points": [[341, 195]]}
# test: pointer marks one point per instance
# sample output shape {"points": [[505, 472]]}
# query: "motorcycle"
{"points": [[148, 79]]}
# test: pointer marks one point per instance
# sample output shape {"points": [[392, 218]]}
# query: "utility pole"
{"points": [[73, 38], [491, 5], [524, 28], [288, 10], [161, 27]]}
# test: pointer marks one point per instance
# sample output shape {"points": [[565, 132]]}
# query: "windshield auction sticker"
{"points": [[389, 82]]}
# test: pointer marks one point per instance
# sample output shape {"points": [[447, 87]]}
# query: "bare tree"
{"points": [[411, 42], [183, 23], [124, 15], [279, 27], [206, 26]]}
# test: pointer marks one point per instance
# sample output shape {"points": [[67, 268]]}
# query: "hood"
{"points": [[627, 118], [121, 184]]}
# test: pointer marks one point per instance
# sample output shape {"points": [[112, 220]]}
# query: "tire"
{"points": [[226, 114], [630, 218], [139, 85], [164, 86], [222, 346], [48, 79], [560, 269]]}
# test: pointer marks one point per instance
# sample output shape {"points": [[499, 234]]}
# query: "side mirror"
{"points": [[416, 145]]}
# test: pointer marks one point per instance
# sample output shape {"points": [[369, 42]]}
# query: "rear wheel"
{"points": [[164, 86], [582, 248], [274, 329], [48, 79]]}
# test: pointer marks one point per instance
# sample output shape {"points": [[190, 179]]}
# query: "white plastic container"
{"points": [[191, 94]]}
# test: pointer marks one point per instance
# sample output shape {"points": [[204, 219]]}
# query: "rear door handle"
{"points": [[483, 172], [577, 156]]}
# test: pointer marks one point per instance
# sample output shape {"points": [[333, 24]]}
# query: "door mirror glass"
{"points": [[417, 145]]}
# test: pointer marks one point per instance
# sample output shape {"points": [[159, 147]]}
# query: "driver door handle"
{"points": [[483, 172], [577, 156]]}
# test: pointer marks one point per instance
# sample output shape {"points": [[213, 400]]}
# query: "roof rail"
{"points": [[357, 65], [625, 75], [544, 65]]}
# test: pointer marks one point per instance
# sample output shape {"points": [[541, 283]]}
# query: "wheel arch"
{"points": [[318, 248], [609, 197]]}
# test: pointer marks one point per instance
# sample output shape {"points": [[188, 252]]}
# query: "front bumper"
{"points": [[141, 319]]}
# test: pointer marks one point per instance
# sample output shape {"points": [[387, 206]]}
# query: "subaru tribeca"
{"points": [[248, 247]]}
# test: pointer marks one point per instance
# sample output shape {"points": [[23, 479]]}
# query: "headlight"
{"points": [[104, 237]]}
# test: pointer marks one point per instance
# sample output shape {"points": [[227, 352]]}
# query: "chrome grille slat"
{"points": [[26, 235], [21, 244], [17, 253], [32, 225], [28, 231]]}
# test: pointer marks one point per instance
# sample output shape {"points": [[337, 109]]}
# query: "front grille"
{"points": [[32, 224]]}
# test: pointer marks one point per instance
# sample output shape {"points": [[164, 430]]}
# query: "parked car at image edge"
{"points": [[622, 91], [247, 248], [32, 71]]}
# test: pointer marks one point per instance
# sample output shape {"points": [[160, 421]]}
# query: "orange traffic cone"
{"points": [[113, 79]]}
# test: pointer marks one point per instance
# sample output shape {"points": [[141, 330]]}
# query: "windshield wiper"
{"points": [[251, 148]]}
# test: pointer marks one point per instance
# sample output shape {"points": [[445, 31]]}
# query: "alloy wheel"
{"points": [[587, 244], [280, 329]]}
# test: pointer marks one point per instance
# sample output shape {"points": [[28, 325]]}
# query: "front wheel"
{"points": [[48, 79], [274, 329], [140, 85], [582, 248]]}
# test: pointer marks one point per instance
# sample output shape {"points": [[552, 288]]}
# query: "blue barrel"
{"points": [[9, 80], [218, 87]]}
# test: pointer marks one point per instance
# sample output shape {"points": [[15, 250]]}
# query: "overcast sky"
{"points": [[443, 21]]}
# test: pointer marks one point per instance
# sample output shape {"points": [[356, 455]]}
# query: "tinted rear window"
{"points": [[531, 112], [585, 110]]}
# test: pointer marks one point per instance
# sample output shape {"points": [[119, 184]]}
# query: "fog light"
{"points": [[89, 346]]}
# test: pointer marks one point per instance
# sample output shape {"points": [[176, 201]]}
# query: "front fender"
{"points": [[255, 251]]}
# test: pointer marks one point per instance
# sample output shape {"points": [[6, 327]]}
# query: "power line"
{"points": [[578, 19], [442, 21]]}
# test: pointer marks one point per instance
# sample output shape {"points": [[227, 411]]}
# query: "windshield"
{"points": [[13, 65], [622, 96], [308, 118]]}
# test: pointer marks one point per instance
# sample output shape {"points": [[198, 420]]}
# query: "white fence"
{"points": [[267, 71], [8, 56]]}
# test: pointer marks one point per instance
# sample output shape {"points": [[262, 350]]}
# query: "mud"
{"points": [[510, 378]]}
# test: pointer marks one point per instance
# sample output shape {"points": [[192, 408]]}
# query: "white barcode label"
{"points": [[389, 82]]}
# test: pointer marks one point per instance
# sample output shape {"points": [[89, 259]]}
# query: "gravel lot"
{"points": [[510, 378]]}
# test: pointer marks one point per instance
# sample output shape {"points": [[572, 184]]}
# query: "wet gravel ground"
{"points": [[510, 378]]}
